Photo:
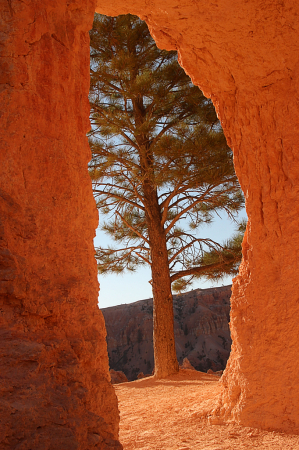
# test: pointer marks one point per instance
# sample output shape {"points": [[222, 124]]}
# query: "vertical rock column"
{"points": [[260, 379], [54, 381]]}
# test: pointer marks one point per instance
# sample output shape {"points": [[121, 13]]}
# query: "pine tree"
{"points": [[160, 169]]}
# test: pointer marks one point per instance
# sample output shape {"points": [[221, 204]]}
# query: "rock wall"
{"points": [[55, 385], [54, 368], [201, 330], [245, 56]]}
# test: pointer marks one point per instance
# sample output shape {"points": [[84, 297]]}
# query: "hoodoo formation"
{"points": [[55, 390]]}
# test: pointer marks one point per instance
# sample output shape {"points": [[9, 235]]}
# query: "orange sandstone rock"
{"points": [[55, 384], [117, 376], [55, 389], [187, 364]]}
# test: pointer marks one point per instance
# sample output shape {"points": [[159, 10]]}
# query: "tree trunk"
{"points": [[163, 334], [166, 362], [164, 344]]}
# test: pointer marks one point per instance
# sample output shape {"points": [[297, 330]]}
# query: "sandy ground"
{"points": [[167, 415]]}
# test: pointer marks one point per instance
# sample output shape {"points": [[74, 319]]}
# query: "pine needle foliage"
{"points": [[157, 145]]}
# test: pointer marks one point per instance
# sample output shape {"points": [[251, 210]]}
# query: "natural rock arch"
{"points": [[54, 366]]}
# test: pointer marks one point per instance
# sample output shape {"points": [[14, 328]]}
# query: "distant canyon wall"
{"points": [[201, 332]]}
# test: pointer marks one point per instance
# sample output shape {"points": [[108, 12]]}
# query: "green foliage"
{"points": [[154, 135], [219, 262]]}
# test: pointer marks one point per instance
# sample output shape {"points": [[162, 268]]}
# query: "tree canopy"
{"points": [[160, 166], [144, 107]]}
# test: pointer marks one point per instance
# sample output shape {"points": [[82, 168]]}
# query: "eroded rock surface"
{"points": [[117, 376], [54, 367], [187, 365], [55, 385], [201, 332]]}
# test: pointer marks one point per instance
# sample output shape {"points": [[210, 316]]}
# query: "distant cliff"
{"points": [[201, 331]]}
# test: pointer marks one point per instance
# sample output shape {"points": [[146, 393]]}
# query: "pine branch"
{"points": [[198, 271], [181, 213], [208, 242], [132, 228], [125, 199], [120, 131]]}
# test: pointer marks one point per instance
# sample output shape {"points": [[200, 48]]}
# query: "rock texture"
{"points": [[117, 377], [245, 56], [55, 390], [55, 385], [201, 332], [187, 365]]}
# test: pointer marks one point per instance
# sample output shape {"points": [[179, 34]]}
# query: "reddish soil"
{"points": [[171, 414]]}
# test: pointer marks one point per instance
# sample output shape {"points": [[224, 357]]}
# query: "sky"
{"points": [[129, 288]]}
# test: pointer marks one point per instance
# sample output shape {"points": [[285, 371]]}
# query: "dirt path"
{"points": [[165, 415]]}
